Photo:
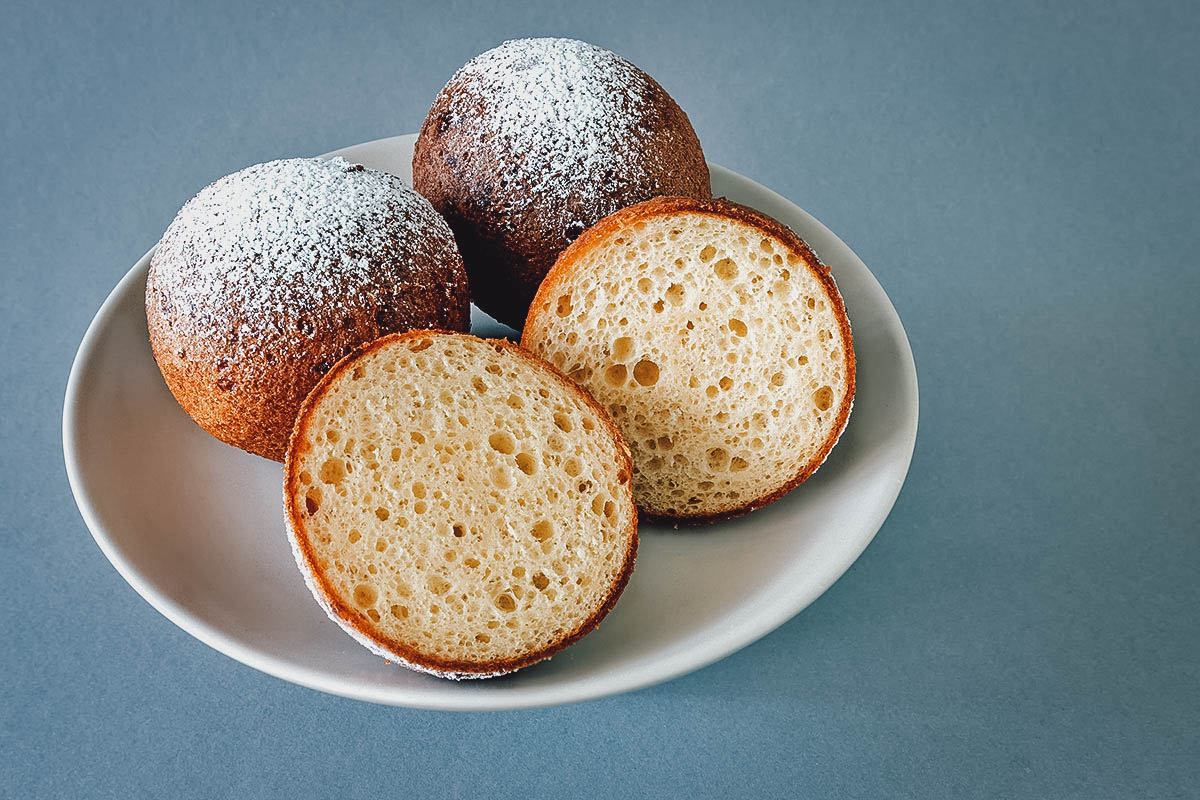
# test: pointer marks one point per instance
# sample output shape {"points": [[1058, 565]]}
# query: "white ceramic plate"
{"points": [[196, 526]]}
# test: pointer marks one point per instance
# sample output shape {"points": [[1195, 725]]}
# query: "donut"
{"points": [[457, 505], [716, 339], [269, 276], [531, 143]]}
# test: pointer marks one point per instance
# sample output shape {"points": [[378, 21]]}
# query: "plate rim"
{"points": [[686, 660]]}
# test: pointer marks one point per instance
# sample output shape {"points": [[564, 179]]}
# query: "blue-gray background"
{"points": [[1022, 179]]}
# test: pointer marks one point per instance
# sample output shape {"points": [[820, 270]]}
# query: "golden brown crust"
{"points": [[510, 228], [717, 207], [362, 624]]}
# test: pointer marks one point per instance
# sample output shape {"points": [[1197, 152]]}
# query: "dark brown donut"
{"points": [[531, 143], [269, 276]]}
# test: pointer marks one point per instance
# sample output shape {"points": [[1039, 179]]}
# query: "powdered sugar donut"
{"points": [[534, 141], [270, 275]]}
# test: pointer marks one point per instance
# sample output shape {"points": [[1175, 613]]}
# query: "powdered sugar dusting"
{"points": [[561, 114], [287, 244]]}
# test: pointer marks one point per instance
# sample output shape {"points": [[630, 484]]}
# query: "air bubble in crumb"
{"points": [[502, 442], [717, 458], [501, 478], [622, 349], [526, 463], [645, 372], [365, 595]]}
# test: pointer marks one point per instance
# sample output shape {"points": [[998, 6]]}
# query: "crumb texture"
{"points": [[718, 347], [461, 503]]}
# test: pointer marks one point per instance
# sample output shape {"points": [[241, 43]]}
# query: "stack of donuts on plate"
{"points": [[468, 507]]}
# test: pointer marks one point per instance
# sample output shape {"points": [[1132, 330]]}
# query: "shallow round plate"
{"points": [[196, 526]]}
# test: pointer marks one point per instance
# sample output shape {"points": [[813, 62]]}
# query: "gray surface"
{"points": [[1023, 181]]}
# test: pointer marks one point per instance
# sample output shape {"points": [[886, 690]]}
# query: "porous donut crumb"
{"points": [[458, 505], [717, 341]]}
